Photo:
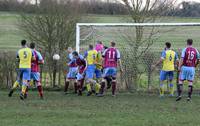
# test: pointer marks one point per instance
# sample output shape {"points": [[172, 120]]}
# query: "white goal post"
{"points": [[78, 25]]}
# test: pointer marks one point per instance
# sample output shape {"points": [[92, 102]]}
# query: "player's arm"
{"points": [[181, 60], [198, 59], [33, 56], [159, 61], [176, 60], [119, 60], [163, 55], [17, 57], [40, 58]]}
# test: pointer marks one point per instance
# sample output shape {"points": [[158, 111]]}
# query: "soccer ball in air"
{"points": [[56, 57]]}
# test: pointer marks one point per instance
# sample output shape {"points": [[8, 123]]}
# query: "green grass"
{"points": [[10, 33], [70, 110]]}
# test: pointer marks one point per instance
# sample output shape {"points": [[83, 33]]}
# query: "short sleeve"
{"points": [[183, 53], [176, 56], [118, 54], [85, 54], [104, 53], [17, 54], [39, 56], [32, 53], [163, 54], [81, 57], [198, 55]]}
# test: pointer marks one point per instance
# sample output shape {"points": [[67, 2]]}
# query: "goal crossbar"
{"points": [[78, 25]]}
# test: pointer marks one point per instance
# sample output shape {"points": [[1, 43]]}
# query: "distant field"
{"points": [[123, 110], [10, 33]]}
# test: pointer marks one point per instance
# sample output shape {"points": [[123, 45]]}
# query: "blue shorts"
{"points": [[110, 71], [165, 74], [90, 71], [72, 73], [98, 73], [187, 73], [35, 76], [24, 74]]}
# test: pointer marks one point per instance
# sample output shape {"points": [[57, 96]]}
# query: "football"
{"points": [[56, 57]]}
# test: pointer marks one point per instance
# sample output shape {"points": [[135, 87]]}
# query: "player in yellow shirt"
{"points": [[25, 56], [168, 60], [91, 58]]}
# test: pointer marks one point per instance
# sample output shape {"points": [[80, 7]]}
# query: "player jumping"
{"points": [[189, 60], [168, 59]]}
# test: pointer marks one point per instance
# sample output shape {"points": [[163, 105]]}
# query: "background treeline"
{"points": [[185, 9]]}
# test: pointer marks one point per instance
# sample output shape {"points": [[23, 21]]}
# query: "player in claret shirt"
{"points": [[111, 61], [81, 64], [189, 60], [71, 75], [35, 71]]}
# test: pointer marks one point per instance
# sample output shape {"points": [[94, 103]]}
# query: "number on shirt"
{"points": [[170, 57], [94, 56], [191, 55], [25, 54], [111, 55]]}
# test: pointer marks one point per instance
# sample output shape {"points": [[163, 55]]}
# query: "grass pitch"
{"points": [[123, 110]]}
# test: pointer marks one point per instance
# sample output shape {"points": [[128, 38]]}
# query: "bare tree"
{"points": [[138, 39], [53, 29]]}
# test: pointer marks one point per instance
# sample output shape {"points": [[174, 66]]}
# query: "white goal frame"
{"points": [[78, 25]]}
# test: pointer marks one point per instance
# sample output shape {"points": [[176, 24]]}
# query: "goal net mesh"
{"points": [[140, 48]]}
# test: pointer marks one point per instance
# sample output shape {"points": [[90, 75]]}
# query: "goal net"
{"points": [[140, 45]]}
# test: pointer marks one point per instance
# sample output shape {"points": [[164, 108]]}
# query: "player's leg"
{"points": [[182, 77], [89, 78], [14, 87], [75, 87], [103, 82], [99, 81], [69, 77], [163, 77], [67, 80], [26, 77], [16, 84], [191, 76], [113, 73], [171, 85], [108, 80], [36, 78], [80, 82]]}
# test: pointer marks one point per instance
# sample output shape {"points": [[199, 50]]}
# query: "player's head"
{"points": [[69, 50], [99, 42], [32, 45], [23, 42], [91, 47], [99, 47], [189, 42], [112, 44], [75, 54], [168, 45]]}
